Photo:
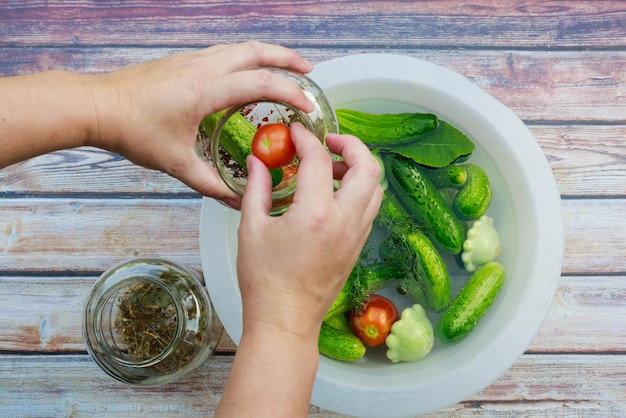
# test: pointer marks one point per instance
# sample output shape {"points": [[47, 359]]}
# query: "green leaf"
{"points": [[438, 148]]}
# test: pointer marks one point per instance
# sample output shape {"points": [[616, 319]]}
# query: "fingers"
{"points": [[246, 86], [339, 169], [360, 174], [257, 197], [203, 178], [253, 54], [315, 173], [243, 78]]}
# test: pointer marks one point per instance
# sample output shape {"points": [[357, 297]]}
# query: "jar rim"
{"points": [[113, 353], [183, 301], [214, 144]]}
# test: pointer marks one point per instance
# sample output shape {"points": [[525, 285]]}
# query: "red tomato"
{"points": [[272, 144], [374, 324]]}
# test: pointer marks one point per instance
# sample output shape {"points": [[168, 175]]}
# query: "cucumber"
{"points": [[340, 322], [236, 139], [474, 198], [385, 128], [437, 284], [430, 268], [471, 303], [452, 176], [363, 280], [424, 202], [339, 345]]}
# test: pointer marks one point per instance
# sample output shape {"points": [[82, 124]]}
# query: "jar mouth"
{"points": [[148, 321], [234, 175], [138, 321], [320, 121]]}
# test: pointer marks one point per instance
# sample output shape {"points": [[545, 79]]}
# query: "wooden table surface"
{"points": [[67, 216]]}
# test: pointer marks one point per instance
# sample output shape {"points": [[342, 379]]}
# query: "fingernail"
{"points": [[308, 63], [298, 124]]}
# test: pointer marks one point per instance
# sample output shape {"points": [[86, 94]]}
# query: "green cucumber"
{"points": [[385, 128], [474, 198], [452, 176], [236, 139], [471, 303], [430, 267], [424, 202], [436, 279], [339, 345], [340, 322], [363, 280]]}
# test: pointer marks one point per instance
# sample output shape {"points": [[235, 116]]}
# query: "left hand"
{"points": [[150, 113]]}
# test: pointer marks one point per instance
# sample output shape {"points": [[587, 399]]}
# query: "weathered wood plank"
{"points": [[44, 315], [554, 86], [575, 24], [594, 236], [535, 385], [87, 171], [88, 235], [588, 315], [587, 160]]}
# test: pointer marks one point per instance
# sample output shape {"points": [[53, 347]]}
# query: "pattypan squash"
{"points": [[411, 337], [482, 244]]}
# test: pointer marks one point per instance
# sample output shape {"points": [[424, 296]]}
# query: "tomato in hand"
{"points": [[272, 144], [373, 325]]}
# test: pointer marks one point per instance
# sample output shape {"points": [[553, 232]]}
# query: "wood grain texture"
{"points": [[87, 171], [533, 385], [539, 86], [89, 235], [586, 160], [67, 216], [573, 24], [43, 315]]}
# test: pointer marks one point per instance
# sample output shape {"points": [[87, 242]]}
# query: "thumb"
{"points": [[204, 178], [257, 196]]}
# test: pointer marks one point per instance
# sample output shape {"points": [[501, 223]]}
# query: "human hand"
{"points": [[150, 112], [292, 267]]}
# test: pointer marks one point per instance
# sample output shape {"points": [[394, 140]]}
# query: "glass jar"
{"points": [[321, 121], [149, 321]]}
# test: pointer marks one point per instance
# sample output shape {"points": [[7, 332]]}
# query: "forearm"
{"points": [[44, 112], [271, 376]]}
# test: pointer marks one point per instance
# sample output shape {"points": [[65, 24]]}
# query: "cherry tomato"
{"points": [[373, 325], [272, 144]]}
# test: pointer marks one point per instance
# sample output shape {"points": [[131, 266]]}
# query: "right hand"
{"points": [[292, 267]]}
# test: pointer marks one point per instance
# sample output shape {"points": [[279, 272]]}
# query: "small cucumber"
{"points": [[424, 202], [431, 268], [236, 139], [363, 280], [340, 322], [471, 303], [339, 345], [452, 176], [474, 198], [385, 128], [437, 285]]}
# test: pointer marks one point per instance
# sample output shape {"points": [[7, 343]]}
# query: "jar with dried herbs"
{"points": [[149, 321]]}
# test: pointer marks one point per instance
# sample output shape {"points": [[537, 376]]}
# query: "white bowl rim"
{"points": [[333, 384]]}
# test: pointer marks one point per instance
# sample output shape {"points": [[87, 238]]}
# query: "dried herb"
{"points": [[147, 321]]}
